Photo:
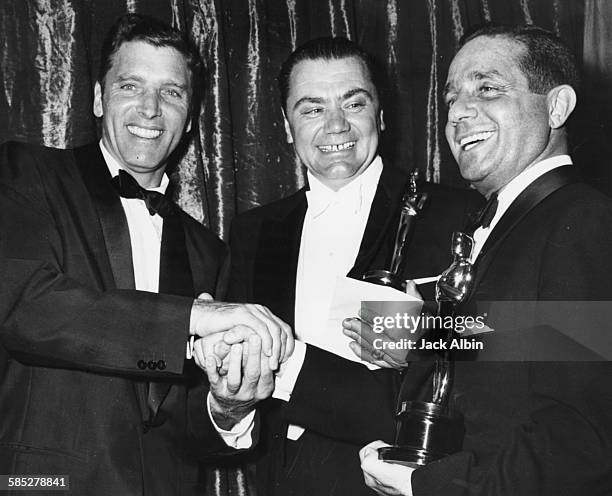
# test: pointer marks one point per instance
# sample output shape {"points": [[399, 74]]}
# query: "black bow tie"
{"points": [[488, 212], [128, 187]]}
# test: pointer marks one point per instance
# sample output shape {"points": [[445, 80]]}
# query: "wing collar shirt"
{"points": [[510, 192], [145, 239], [331, 237]]}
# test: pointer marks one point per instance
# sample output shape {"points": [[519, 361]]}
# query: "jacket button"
{"points": [[142, 364], [161, 364], [152, 364]]}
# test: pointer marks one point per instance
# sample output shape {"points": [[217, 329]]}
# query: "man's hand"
{"points": [[209, 317], [386, 479], [249, 378], [372, 331]]}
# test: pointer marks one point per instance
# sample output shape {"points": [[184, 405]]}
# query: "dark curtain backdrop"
{"points": [[237, 157]]}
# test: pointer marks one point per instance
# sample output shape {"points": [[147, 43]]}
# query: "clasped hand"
{"points": [[241, 347]]}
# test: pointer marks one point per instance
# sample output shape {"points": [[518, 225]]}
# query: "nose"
{"points": [[335, 121], [464, 107], [149, 104]]}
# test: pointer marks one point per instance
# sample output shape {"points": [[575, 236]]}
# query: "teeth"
{"points": [[145, 133], [470, 142], [337, 148]]}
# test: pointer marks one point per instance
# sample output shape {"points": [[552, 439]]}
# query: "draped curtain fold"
{"points": [[237, 157]]}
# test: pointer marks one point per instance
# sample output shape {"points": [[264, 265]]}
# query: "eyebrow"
{"points": [[349, 94], [131, 77], [476, 75]]}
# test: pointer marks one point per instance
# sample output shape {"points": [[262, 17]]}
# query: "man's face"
{"points": [[496, 126], [333, 118], [144, 108]]}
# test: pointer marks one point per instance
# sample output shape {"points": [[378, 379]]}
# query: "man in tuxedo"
{"points": [[100, 274], [288, 255], [536, 398]]}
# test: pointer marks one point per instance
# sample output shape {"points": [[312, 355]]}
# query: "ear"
{"points": [[381, 120], [561, 101], [97, 103], [287, 129]]}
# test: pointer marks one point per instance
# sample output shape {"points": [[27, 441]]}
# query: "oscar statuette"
{"points": [[412, 205], [427, 431]]}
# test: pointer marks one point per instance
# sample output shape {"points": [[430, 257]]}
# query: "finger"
{"points": [[211, 317], [237, 334], [234, 373], [205, 297], [221, 349], [288, 341], [211, 371], [411, 289], [252, 368], [265, 386], [198, 354], [273, 329]]}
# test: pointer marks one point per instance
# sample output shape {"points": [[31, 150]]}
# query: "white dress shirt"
{"points": [[331, 237], [145, 239], [509, 193]]}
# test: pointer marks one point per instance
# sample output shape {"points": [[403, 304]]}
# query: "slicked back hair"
{"points": [[327, 48], [546, 61]]}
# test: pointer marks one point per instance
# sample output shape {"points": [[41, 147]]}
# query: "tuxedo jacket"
{"points": [[93, 380], [265, 246], [537, 400]]}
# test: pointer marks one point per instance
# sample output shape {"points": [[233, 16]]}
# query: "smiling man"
{"points": [[289, 254], [100, 282], [537, 399]]}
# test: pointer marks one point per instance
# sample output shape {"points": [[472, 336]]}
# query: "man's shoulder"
{"points": [[202, 233], [273, 210], [453, 195]]}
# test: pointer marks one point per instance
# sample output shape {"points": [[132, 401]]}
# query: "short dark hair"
{"points": [[137, 27], [546, 60], [327, 48]]}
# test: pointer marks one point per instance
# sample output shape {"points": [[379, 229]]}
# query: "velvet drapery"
{"points": [[237, 157]]}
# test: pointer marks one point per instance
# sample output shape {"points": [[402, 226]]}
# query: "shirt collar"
{"points": [[514, 188], [114, 167], [355, 194]]}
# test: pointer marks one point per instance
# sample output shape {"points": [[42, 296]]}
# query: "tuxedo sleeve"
{"points": [[343, 399], [54, 308], [564, 445]]}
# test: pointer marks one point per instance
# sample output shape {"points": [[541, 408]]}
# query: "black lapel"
{"points": [[174, 278], [375, 248], [114, 225], [535, 193], [113, 222], [277, 257]]}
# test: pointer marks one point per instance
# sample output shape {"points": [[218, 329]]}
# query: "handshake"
{"points": [[240, 348]]}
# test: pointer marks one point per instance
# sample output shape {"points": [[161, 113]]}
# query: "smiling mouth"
{"points": [[337, 148], [471, 141], [141, 132]]}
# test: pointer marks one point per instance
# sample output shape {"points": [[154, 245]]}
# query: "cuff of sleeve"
{"points": [[240, 436], [288, 373]]}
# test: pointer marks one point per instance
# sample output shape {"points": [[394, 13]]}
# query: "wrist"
{"points": [[227, 414]]}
